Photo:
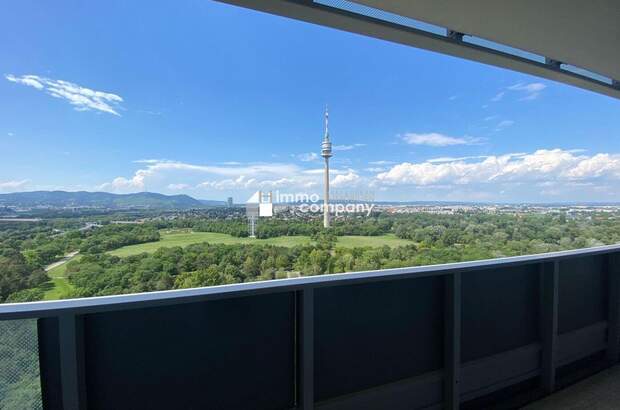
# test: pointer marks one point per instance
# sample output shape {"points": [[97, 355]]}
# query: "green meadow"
{"points": [[58, 286], [185, 238]]}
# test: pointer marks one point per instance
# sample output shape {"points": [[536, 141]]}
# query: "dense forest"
{"points": [[434, 239], [273, 227], [25, 250]]}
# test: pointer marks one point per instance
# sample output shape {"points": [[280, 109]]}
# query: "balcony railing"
{"points": [[452, 335]]}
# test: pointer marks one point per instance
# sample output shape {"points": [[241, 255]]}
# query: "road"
{"points": [[64, 260]]}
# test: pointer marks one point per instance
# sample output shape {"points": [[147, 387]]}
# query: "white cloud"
{"points": [[531, 90], [166, 173], [82, 98], [454, 159], [527, 91], [178, 187], [543, 165], [319, 171], [347, 147], [382, 162], [13, 186], [308, 157], [345, 180], [122, 184], [30, 80], [435, 139], [502, 125], [499, 96], [150, 161], [597, 166], [240, 182]]}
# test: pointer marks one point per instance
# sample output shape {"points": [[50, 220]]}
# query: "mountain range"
{"points": [[103, 199]]}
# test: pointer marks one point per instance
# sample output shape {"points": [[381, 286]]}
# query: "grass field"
{"points": [[184, 238], [170, 239], [59, 286], [373, 241]]}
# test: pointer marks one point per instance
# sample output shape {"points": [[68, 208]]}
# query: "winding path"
{"points": [[64, 260]]}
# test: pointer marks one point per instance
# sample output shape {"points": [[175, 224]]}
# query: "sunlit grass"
{"points": [[185, 238]]}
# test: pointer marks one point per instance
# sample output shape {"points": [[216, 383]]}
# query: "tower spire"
{"points": [[326, 137]]}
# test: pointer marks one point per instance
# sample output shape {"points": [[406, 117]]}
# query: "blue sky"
{"points": [[212, 100]]}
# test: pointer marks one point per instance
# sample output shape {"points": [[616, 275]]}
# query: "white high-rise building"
{"points": [[326, 152]]}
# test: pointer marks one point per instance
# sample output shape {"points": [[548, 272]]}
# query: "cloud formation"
{"points": [[347, 147], [568, 174], [502, 125], [531, 91], [435, 139], [345, 180], [555, 165], [13, 186], [308, 157], [82, 98], [167, 173]]}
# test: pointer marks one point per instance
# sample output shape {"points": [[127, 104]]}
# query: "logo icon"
{"points": [[260, 204]]}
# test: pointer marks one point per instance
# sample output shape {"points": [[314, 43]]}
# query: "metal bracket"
{"points": [[553, 63], [454, 35]]}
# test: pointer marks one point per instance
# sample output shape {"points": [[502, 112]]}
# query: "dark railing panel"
{"points": [[486, 375], [373, 334], [583, 293], [500, 311], [228, 354]]}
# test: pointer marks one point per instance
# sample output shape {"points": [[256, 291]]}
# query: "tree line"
{"points": [[26, 248]]}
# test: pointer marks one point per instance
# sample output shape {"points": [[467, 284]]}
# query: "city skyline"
{"points": [[227, 101]]}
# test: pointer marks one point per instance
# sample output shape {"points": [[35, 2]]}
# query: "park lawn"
{"points": [[185, 238], [58, 286], [171, 239], [350, 241]]}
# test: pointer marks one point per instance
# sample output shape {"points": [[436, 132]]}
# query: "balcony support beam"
{"points": [[71, 346], [305, 300], [613, 316], [549, 278], [452, 341]]}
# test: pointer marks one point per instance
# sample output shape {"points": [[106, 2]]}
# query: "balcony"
{"points": [[464, 335]]}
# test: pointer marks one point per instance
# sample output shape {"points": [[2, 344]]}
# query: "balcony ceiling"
{"points": [[585, 34], [582, 33]]}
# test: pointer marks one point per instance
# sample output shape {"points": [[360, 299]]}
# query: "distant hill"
{"points": [[100, 199]]}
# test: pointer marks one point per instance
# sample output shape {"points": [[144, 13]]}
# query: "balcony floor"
{"points": [[601, 391]]}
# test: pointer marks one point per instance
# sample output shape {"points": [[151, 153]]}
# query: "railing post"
{"points": [[71, 346], [452, 341], [549, 277], [306, 349], [613, 316]]}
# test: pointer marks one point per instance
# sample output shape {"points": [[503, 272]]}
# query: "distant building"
{"points": [[230, 202]]}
